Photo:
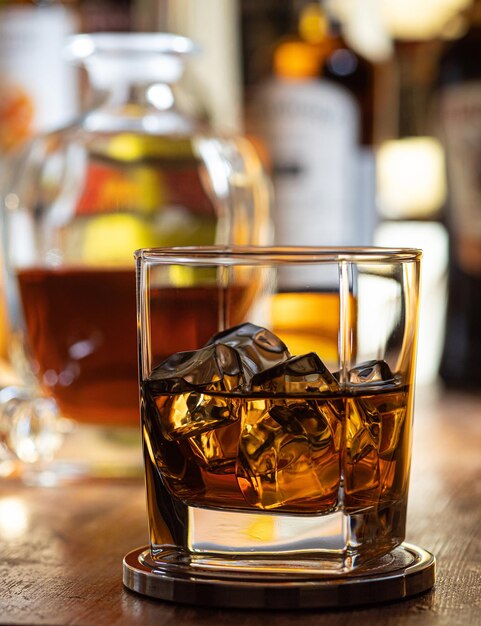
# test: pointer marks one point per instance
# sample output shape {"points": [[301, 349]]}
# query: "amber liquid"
{"points": [[296, 319], [80, 327], [309, 454]]}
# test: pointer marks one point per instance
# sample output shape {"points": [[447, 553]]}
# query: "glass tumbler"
{"points": [[277, 434]]}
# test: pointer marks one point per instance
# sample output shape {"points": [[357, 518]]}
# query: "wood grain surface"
{"points": [[61, 548]]}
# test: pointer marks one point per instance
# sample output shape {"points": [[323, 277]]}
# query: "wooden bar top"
{"points": [[61, 548]]}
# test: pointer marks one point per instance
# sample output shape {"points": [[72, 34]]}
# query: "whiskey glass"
{"points": [[277, 390]]}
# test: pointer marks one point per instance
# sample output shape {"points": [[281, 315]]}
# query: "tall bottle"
{"points": [[315, 118], [460, 122]]}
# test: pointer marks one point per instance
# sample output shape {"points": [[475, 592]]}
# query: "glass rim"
{"points": [[257, 255]]}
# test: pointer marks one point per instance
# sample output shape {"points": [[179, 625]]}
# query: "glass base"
{"points": [[405, 571], [278, 544]]}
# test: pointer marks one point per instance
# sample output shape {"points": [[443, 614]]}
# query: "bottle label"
{"points": [[37, 86], [311, 131], [460, 113]]}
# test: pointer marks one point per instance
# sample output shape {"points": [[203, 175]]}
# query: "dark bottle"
{"points": [[348, 69], [460, 123]]}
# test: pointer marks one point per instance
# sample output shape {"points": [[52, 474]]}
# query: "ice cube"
{"points": [[184, 386], [362, 440], [363, 428], [373, 426], [257, 347], [370, 372], [212, 368], [289, 453], [393, 409], [192, 413], [306, 373], [375, 444], [216, 450]]}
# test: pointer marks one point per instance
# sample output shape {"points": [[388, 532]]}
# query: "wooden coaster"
{"points": [[404, 572]]}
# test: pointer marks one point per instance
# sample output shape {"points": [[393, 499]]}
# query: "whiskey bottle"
{"points": [[315, 117]]}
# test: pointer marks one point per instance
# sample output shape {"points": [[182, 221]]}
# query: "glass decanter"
{"points": [[135, 171]]}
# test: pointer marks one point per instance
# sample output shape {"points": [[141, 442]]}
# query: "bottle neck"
{"points": [[137, 101], [334, 24], [128, 78], [127, 64]]}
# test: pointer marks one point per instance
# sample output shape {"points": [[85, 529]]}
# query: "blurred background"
{"points": [[366, 114]]}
